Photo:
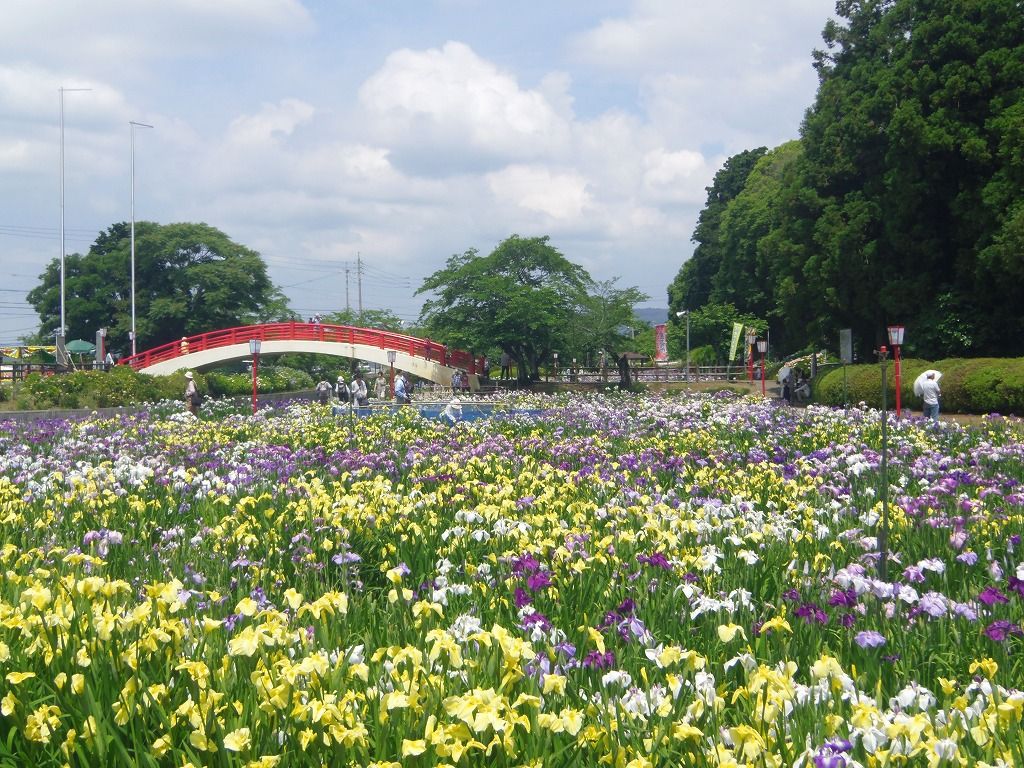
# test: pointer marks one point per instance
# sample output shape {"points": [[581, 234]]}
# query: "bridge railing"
{"points": [[299, 331]]}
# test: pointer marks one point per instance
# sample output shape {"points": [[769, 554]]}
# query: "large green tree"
{"points": [[693, 284], [189, 278], [524, 298], [915, 164], [904, 200]]}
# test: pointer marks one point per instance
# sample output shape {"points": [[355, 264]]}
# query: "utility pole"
{"points": [[63, 317], [347, 307], [359, 277]]}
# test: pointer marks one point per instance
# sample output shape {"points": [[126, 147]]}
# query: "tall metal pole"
{"points": [[687, 346], [255, 373], [359, 277], [63, 316], [882, 354], [896, 359], [134, 125]]}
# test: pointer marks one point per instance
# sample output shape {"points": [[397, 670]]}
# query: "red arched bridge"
{"points": [[421, 357]]}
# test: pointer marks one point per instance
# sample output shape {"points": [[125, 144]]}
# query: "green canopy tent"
{"points": [[80, 347]]}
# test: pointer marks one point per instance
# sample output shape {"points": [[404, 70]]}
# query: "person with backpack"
{"points": [[323, 391], [341, 390]]}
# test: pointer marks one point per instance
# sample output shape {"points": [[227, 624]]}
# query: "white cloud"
{"points": [[676, 176], [561, 196], [452, 101], [271, 122]]}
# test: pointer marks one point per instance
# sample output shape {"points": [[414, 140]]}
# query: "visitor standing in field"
{"points": [[506, 365], [931, 393], [380, 386], [402, 390], [360, 394], [323, 391], [191, 393], [341, 390]]}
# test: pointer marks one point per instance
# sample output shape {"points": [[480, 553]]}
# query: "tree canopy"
{"points": [[189, 278], [525, 298], [903, 201]]}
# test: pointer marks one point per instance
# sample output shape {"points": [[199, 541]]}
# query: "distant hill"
{"points": [[652, 315]]}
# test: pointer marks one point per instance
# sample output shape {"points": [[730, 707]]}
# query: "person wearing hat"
{"points": [[341, 390], [360, 394], [453, 411], [191, 393], [930, 393]]}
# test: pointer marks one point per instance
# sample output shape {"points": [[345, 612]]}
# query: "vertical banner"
{"points": [[846, 346], [660, 344], [737, 331]]}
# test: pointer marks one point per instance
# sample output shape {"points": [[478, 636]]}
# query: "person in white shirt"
{"points": [[402, 390], [360, 394], [191, 393], [452, 412], [930, 392]]}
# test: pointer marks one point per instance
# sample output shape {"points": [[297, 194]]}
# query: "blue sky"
{"points": [[400, 131]]}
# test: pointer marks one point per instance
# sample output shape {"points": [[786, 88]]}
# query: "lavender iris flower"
{"points": [[869, 639]]}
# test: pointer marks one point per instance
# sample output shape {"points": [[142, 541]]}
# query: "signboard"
{"points": [[660, 344], [846, 346], [737, 331]]}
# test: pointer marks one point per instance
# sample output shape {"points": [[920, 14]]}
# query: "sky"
{"points": [[393, 132]]}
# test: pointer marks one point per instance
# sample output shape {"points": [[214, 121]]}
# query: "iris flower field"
{"points": [[624, 581]]}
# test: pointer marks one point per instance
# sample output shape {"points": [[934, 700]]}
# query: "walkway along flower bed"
{"points": [[623, 581]]}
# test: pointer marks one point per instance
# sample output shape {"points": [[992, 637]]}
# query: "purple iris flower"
{"points": [[596, 660], [521, 597], [539, 580], [869, 639], [658, 559], [1016, 585], [811, 614], [991, 595], [914, 574], [967, 558], [847, 597], [998, 631]]}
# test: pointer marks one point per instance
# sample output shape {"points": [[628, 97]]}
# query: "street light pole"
{"points": [[391, 362], [884, 569], [686, 312], [762, 347], [63, 316], [896, 341], [751, 340], [134, 125], [254, 350]]}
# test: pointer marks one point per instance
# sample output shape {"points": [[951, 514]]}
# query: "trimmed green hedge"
{"points": [[969, 385], [123, 386]]}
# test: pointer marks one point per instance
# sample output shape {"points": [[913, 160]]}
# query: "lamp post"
{"points": [[133, 126], [751, 340], [686, 312], [762, 347], [883, 353], [63, 316], [254, 350], [555, 356], [391, 362], [896, 341]]}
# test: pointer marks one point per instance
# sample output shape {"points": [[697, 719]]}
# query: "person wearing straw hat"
{"points": [[452, 412], [191, 393], [930, 394]]}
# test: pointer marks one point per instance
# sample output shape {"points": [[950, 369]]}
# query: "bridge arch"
{"points": [[420, 357]]}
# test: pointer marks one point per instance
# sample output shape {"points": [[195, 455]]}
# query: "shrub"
{"points": [[969, 385]]}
